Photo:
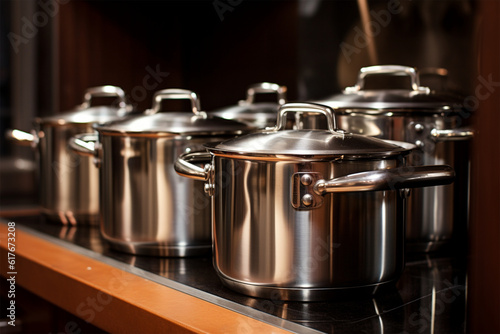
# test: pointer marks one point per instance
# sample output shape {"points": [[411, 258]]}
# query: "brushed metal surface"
{"points": [[263, 245], [435, 215], [69, 183], [258, 114], [146, 207]]}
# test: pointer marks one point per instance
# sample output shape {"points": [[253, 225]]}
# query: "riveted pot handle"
{"points": [[388, 179], [22, 138], [84, 144], [184, 165], [103, 91], [176, 94], [391, 70], [299, 107], [266, 87], [452, 135]]}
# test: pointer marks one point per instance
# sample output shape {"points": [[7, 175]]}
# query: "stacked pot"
{"points": [[436, 122], [258, 114], [146, 208], [308, 214], [306, 209], [69, 185]]}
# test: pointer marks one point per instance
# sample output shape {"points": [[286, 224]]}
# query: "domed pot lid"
{"points": [[86, 113], [415, 99], [278, 142], [155, 123], [260, 114]]}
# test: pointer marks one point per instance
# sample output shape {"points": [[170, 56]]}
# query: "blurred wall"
{"points": [[336, 40]]}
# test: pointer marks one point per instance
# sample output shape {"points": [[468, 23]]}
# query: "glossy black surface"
{"points": [[430, 297]]}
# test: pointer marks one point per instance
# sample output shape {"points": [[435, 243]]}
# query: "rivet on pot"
{"points": [[307, 199], [405, 193], [97, 162], [209, 189], [419, 128], [419, 143], [306, 179]]}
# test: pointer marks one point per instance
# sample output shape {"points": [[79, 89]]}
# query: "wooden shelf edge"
{"points": [[113, 299]]}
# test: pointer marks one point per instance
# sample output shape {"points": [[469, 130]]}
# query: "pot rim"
{"points": [[173, 135], [375, 110], [413, 100], [405, 149], [103, 114]]}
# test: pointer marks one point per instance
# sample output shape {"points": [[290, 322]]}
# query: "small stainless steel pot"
{"points": [[258, 114], [303, 214], [436, 123], [145, 207], [69, 185]]}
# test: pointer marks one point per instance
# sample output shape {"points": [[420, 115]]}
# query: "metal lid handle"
{"points": [[305, 107], [176, 94], [266, 87], [391, 70], [104, 91]]}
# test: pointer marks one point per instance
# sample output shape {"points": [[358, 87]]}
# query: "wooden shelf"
{"points": [[112, 299]]}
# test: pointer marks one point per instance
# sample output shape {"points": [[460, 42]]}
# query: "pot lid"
{"points": [[331, 142], [88, 114], [258, 113], [154, 122], [414, 99]]}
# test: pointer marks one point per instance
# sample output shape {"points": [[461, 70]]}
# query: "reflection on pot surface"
{"points": [[444, 291], [258, 114], [145, 207], [435, 123], [69, 184], [307, 214]]}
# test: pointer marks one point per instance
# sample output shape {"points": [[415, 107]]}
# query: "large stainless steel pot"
{"points": [[303, 214], [258, 114], [69, 185], [436, 122], [146, 208]]}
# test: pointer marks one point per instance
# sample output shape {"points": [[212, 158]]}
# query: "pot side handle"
{"points": [[21, 137], [184, 165], [83, 144], [452, 135], [388, 179]]}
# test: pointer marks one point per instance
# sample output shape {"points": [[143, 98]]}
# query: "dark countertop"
{"points": [[430, 297]]}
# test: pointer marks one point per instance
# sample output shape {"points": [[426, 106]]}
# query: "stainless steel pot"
{"points": [[436, 122], [69, 185], [303, 214], [146, 208], [258, 114]]}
